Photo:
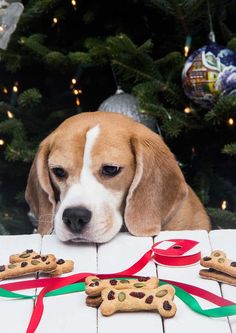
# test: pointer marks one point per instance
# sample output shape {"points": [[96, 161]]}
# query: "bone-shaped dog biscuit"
{"points": [[212, 274], [159, 299], [93, 301], [219, 262], [94, 285], [44, 264], [63, 266], [23, 256]]}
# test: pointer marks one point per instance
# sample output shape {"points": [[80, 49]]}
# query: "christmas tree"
{"points": [[66, 57]]}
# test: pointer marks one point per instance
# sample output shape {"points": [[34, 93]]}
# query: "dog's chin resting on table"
{"points": [[98, 171]]}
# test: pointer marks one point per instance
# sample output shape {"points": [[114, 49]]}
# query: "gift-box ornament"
{"points": [[9, 16]]}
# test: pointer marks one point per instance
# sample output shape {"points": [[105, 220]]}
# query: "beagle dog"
{"points": [[100, 170]]}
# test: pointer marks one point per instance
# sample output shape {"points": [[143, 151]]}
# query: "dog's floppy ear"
{"points": [[158, 188], [39, 193]]}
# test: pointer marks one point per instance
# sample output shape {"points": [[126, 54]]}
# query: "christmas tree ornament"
{"points": [[127, 105], [9, 17], [209, 73]]}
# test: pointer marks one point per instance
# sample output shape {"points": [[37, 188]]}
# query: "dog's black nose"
{"points": [[76, 217]]}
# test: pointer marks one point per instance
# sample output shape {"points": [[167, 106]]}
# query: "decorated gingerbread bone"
{"points": [[94, 285], [63, 266], [42, 264], [220, 268], [159, 299]]}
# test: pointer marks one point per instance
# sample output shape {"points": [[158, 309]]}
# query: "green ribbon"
{"points": [[189, 300], [192, 303]]}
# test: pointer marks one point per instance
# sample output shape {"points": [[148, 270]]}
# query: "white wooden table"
{"points": [[69, 314]]}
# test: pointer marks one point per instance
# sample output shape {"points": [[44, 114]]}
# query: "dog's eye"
{"points": [[59, 172], [110, 170]]}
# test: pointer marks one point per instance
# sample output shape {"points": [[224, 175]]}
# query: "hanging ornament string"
{"points": [[129, 105], [211, 33]]}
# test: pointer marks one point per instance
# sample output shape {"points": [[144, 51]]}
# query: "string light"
{"points": [[187, 45], [15, 88], [187, 110], [230, 121], [1, 28], [10, 114], [74, 3], [55, 20], [77, 91], [77, 101], [5, 91], [186, 51], [1, 142], [224, 205]]}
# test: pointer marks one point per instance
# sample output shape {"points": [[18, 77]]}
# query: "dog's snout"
{"points": [[76, 217]]}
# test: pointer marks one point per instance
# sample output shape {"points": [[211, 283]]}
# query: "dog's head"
{"points": [[97, 170]]}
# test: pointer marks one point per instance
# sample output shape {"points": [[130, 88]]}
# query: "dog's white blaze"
{"points": [[91, 194]]}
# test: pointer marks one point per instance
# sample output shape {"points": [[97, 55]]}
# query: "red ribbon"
{"points": [[176, 252], [56, 283]]}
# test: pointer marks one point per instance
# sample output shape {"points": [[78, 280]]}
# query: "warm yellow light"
{"points": [[73, 81], [73, 2], [224, 205], [15, 89], [5, 90], [1, 142], [10, 114], [77, 101], [230, 121], [187, 109], [55, 20], [186, 50], [1, 28]]}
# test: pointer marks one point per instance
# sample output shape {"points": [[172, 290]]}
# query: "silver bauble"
{"points": [[127, 105], [9, 16]]}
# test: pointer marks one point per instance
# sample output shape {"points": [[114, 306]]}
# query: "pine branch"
{"points": [[224, 219], [19, 149], [225, 106], [135, 72], [29, 98], [230, 149], [35, 44]]}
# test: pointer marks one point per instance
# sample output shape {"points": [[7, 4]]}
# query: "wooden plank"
{"points": [[185, 319], [224, 240], [119, 254], [20, 310], [68, 313]]}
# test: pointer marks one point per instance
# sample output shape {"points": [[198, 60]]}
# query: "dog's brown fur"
{"points": [[156, 196]]}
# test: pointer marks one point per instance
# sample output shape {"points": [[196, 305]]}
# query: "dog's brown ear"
{"points": [[158, 187], [39, 193]]}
